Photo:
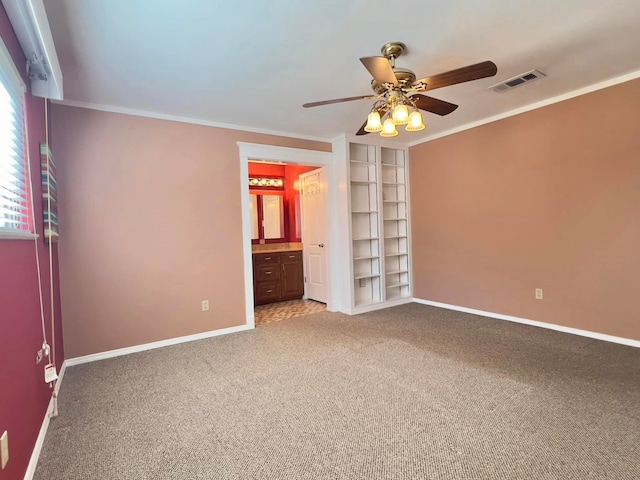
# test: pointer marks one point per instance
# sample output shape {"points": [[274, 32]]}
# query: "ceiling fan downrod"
{"points": [[393, 50]]}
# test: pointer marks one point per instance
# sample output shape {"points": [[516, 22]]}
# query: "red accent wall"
{"points": [[24, 396], [266, 169], [291, 174], [292, 196]]}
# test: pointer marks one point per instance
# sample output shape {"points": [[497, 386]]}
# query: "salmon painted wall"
{"points": [[150, 217], [24, 396], [545, 199]]}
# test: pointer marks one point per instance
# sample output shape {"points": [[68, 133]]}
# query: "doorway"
{"points": [[255, 152]]}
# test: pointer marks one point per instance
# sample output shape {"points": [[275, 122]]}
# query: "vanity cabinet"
{"points": [[277, 276]]}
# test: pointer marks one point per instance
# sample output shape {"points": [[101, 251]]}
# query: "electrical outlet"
{"points": [[4, 448], [363, 282], [538, 294], [205, 305]]}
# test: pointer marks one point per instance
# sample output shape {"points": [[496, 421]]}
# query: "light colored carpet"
{"points": [[412, 392], [275, 312]]}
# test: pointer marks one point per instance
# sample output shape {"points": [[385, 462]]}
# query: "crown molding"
{"points": [[197, 121], [181, 119], [533, 106]]}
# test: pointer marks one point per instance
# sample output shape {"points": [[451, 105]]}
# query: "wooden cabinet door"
{"points": [[292, 281]]}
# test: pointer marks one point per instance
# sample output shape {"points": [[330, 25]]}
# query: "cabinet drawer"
{"points": [[267, 272], [267, 292], [262, 258], [295, 256]]}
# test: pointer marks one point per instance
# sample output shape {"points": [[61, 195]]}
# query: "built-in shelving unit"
{"points": [[365, 220], [395, 216], [378, 225]]}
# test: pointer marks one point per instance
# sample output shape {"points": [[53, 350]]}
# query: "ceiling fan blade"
{"points": [[362, 130], [460, 75], [433, 105], [380, 69], [337, 100]]}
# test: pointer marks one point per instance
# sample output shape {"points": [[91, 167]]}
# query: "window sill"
{"points": [[4, 235]]}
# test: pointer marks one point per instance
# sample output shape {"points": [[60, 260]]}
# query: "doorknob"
{"points": [[321, 245]]}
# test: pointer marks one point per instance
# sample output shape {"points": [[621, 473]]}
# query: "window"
{"points": [[15, 195]]}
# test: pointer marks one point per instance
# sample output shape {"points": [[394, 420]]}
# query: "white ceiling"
{"points": [[254, 63]]}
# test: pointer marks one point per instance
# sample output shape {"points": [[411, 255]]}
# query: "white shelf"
{"points": [[362, 182], [392, 184], [395, 254], [389, 165], [364, 162], [394, 201], [366, 303], [396, 272], [396, 285], [365, 239], [371, 257], [366, 275], [365, 211], [396, 236]]}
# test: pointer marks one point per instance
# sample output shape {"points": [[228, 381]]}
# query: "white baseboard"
{"points": [[35, 454], [551, 326], [149, 346], [379, 306]]}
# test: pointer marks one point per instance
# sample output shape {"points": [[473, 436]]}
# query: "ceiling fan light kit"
{"points": [[415, 122], [374, 123], [388, 128], [400, 115], [397, 92]]}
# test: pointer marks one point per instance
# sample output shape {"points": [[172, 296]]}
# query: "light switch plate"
{"points": [[4, 448]]}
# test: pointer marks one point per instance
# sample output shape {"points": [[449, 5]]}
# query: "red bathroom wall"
{"points": [[291, 174]]}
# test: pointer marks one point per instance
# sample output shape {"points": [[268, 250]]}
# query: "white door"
{"points": [[313, 205]]}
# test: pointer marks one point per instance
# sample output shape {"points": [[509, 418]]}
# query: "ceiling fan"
{"points": [[397, 90]]}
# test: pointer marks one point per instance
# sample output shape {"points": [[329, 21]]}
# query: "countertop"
{"points": [[276, 247]]}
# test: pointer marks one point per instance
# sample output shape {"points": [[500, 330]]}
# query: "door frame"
{"points": [[257, 152]]}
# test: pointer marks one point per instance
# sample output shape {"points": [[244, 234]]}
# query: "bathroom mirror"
{"points": [[267, 217]]}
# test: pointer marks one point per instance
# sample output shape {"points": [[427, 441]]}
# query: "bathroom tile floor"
{"points": [[274, 312]]}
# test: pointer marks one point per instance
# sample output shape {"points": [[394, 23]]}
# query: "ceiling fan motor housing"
{"points": [[405, 79]]}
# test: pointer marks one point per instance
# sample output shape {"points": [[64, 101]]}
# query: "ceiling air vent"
{"points": [[514, 82]]}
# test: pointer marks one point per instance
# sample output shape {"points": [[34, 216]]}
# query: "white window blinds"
{"points": [[15, 196]]}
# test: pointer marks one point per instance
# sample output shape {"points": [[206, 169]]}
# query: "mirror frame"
{"points": [[260, 218]]}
